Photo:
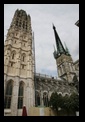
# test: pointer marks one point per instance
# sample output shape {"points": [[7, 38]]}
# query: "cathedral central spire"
{"points": [[59, 45]]}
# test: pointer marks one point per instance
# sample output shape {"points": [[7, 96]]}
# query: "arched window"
{"points": [[38, 98], [45, 99], [23, 57], [8, 95], [20, 95], [13, 55]]}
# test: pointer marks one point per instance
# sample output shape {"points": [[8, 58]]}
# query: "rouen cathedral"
{"points": [[22, 86]]}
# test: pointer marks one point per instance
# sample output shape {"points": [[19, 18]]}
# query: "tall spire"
{"points": [[60, 48]]}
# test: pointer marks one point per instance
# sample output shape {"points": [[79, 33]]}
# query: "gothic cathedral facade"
{"points": [[18, 65]]}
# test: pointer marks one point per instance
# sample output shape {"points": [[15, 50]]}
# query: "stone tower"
{"points": [[63, 60], [18, 66]]}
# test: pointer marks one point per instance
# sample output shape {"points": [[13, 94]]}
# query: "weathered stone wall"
{"points": [[40, 111], [18, 61]]}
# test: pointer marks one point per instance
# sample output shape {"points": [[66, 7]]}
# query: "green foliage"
{"points": [[66, 102], [74, 100], [56, 100]]}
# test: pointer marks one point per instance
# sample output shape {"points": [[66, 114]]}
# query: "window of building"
{"points": [[16, 23], [8, 95], [13, 56], [20, 96], [45, 99], [23, 57], [22, 66], [38, 98]]}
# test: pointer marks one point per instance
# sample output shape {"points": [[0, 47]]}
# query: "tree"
{"points": [[74, 98], [56, 101], [68, 103], [71, 103]]}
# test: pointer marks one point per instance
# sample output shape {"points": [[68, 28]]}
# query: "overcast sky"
{"points": [[64, 17]]}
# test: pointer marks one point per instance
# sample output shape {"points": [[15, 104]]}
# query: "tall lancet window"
{"points": [[8, 95], [38, 98], [13, 54], [23, 57], [20, 95], [45, 99]]}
